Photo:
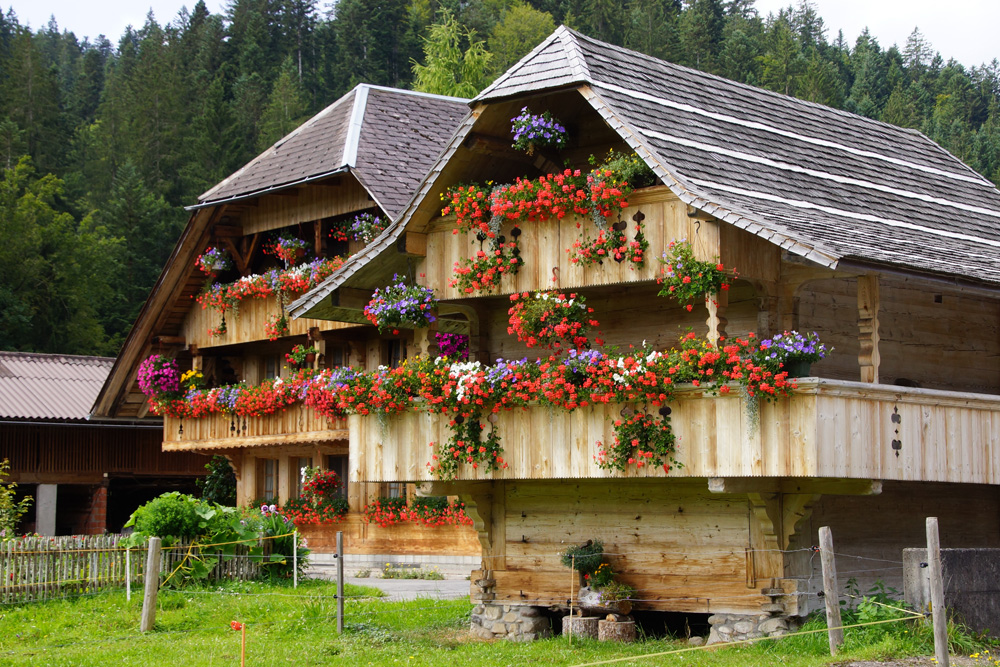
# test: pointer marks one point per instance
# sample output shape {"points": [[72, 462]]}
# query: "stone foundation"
{"points": [[736, 627], [517, 623]]}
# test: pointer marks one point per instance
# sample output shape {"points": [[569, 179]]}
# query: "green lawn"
{"points": [[298, 627]]}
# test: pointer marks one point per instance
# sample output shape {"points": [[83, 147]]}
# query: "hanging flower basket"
{"points": [[288, 249], [688, 279], [401, 305], [533, 131], [550, 320], [214, 260]]}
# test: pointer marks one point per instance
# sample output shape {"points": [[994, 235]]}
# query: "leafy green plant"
{"points": [[10, 511], [584, 558], [219, 485]]}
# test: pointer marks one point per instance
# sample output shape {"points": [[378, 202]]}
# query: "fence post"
{"points": [[152, 585], [938, 611], [340, 582], [295, 558], [830, 594], [128, 574]]}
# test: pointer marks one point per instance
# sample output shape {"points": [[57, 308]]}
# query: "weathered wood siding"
{"points": [[939, 338], [247, 325], [682, 548], [543, 247], [827, 429], [305, 204], [404, 538], [298, 424], [83, 454]]}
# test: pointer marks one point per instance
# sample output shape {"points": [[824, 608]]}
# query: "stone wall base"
{"points": [[737, 627], [517, 623]]}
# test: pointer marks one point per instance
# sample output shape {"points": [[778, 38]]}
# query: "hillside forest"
{"points": [[103, 142]]}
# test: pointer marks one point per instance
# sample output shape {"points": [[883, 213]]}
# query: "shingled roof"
{"points": [[824, 183], [386, 137], [50, 386]]}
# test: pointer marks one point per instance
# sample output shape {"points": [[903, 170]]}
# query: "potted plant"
{"points": [[366, 226], [792, 351], [550, 319], [401, 305], [534, 130], [688, 279], [214, 260], [301, 356], [288, 249]]}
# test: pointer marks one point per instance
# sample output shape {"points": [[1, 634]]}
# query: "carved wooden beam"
{"points": [[717, 304], [500, 147], [808, 486], [868, 307], [168, 340]]}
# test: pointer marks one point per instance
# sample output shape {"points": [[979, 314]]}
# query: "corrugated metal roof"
{"points": [[50, 386]]}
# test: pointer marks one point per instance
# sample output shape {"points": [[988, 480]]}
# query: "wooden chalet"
{"points": [[86, 475], [365, 153], [869, 234]]}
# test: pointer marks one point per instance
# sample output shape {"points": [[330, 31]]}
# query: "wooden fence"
{"points": [[40, 568]]}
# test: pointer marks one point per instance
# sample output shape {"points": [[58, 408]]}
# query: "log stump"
{"points": [[616, 631], [582, 626]]}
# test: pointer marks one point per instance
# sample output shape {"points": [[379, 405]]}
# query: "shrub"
{"points": [[219, 485], [10, 511], [587, 556], [170, 515]]}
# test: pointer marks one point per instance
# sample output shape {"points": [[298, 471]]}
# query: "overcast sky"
{"points": [[962, 29]]}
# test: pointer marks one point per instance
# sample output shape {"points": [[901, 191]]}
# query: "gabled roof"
{"points": [[385, 136], [49, 386], [821, 183]]}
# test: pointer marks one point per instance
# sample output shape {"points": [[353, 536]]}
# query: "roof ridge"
{"points": [[576, 61], [52, 355], [354, 126], [415, 93]]}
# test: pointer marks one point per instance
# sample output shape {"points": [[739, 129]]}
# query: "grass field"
{"points": [[288, 626]]}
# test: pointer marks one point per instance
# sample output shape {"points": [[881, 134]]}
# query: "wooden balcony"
{"points": [[827, 429], [296, 425], [248, 325]]}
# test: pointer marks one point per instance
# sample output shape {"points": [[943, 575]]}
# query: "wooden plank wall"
{"points": [[543, 247], [870, 550], [681, 547], [628, 315], [404, 538], [305, 204], [246, 326], [952, 345], [54, 454]]}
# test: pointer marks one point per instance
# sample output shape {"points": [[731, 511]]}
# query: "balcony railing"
{"points": [[826, 429], [296, 425]]}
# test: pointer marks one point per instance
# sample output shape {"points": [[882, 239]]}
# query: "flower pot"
{"points": [[797, 369], [310, 358], [590, 601]]}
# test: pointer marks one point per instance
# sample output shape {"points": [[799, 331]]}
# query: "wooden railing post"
{"points": [[938, 610], [830, 594], [868, 307], [152, 585]]}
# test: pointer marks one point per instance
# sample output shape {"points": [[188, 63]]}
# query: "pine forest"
{"points": [[104, 142]]}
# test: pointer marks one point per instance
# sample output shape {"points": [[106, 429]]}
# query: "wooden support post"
{"points": [[716, 304], [938, 610], [340, 582], [152, 585], [830, 594], [868, 307]]}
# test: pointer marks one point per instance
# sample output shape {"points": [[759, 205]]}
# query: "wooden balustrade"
{"points": [[296, 425], [826, 429]]}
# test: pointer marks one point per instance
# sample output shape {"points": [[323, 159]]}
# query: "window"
{"points": [[338, 464], [272, 367], [395, 490], [296, 473], [393, 353], [267, 479]]}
